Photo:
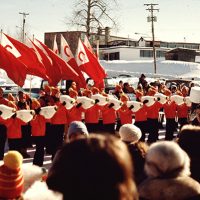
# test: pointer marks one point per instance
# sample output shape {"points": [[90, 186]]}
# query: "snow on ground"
{"points": [[166, 68]]}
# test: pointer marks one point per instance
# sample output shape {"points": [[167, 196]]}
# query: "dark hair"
{"points": [[94, 168], [189, 139]]}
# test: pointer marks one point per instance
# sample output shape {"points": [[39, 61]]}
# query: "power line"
{"points": [[152, 19]]}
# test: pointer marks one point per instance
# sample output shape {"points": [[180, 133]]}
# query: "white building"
{"points": [[143, 50]]}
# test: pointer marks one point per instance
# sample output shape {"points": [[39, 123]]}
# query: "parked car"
{"points": [[177, 82]]}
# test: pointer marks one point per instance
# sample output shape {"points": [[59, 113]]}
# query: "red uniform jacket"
{"points": [[92, 114], [125, 115], [14, 128], [38, 125], [108, 115], [60, 117], [141, 114], [75, 114], [182, 110], [170, 109], [153, 111]]}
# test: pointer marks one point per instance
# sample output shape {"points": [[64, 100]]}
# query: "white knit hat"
{"points": [[166, 158], [77, 127], [130, 133]]}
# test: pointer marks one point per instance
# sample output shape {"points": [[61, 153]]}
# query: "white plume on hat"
{"points": [[130, 133], [165, 158]]}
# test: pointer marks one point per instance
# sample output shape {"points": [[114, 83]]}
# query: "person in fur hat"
{"points": [[168, 169], [131, 135]]}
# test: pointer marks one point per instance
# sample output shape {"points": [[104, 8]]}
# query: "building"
{"points": [[121, 48], [72, 37], [181, 54]]}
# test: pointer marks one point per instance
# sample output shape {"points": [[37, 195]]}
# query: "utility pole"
{"points": [[23, 25], [152, 19]]}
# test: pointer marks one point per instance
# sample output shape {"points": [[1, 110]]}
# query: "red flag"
{"points": [[15, 70], [55, 46], [27, 56], [66, 54], [88, 63], [53, 70], [66, 72], [45, 60], [87, 44]]}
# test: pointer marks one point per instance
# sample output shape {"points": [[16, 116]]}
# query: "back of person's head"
{"points": [[189, 140], [98, 167], [130, 133], [166, 159], [77, 129]]}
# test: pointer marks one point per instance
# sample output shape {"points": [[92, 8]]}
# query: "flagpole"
{"points": [[1, 35], [97, 49], [30, 89]]}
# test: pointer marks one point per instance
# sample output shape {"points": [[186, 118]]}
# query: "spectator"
{"points": [[196, 120], [77, 129], [97, 167], [139, 92], [127, 88], [168, 169], [189, 140], [131, 134], [142, 80]]}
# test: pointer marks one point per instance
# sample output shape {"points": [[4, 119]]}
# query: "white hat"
{"points": [[195, 94], [166, 158], [77, 127], [130, 133]]}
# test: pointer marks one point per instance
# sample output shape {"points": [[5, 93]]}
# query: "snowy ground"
{"points": [[166, 68]]}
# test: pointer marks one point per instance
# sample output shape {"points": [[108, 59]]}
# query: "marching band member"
{"points": [[170, 108], [38, 128], [92, 114], [58, 123]]}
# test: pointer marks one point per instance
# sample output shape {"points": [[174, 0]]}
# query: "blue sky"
{"points": [[178, 20]]}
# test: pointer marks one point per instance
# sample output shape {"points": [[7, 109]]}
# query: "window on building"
{"points": [[146, 53], [180, 45], [188, 46], [171, 45], [163, 44], [195, 46], [160, 54], [111, 56]]}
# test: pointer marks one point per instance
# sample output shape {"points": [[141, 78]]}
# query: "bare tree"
{"points": [[92, 14]]}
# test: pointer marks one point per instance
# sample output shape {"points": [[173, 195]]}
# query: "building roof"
{"points": [[176, 50]]}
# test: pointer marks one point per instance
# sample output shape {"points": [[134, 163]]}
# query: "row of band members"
{"points": [[97, 119]]}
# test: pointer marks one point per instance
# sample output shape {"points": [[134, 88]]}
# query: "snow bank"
{"points": [[166, 68]]}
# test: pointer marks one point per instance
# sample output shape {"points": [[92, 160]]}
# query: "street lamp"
{"points": [[145, 34]]}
